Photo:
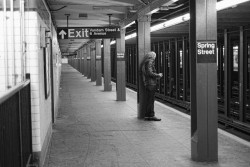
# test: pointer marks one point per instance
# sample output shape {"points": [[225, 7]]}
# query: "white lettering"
{"points": [[109, 29], [205, 45], [86, 32], [205, 52], [71, 33], [78, 33]]}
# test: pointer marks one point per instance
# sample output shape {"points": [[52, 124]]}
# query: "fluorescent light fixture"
{"points": [[133, 22], [171, 22], [219, 6], [153, 11], [130, 36], [228, 3], [112, 42]]}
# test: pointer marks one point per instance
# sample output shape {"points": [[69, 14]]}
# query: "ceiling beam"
{"points": [[132, 2], [145, 10]]}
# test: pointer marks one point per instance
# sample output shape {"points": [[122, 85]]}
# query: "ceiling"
{"points": [[96, 13], [101, 13]]}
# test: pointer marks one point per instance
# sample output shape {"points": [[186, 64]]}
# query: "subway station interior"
{"points": [[72, 92]]}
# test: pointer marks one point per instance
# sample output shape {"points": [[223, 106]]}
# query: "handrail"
{"points": [[12, 91]]}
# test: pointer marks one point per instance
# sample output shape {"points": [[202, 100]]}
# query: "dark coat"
{"points": [[149, 73]]}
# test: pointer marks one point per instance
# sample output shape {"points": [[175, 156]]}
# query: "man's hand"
{"points": [[160, 74]]}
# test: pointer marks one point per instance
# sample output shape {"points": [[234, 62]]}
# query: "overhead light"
{"points": [[153, 11], [130, 36], [171, 22], [219, 6], [132, 10], [112, 42], [228, 3], [133, 22]]}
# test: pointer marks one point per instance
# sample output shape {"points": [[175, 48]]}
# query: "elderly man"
{"points": [[150, 82]]}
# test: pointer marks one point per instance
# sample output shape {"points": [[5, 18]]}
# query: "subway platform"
{"points": [[94, 130]]}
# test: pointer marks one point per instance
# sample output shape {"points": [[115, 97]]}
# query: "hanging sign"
{"points": [[206, 51], [88, 32]]}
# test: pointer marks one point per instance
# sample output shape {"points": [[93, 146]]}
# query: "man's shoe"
{"points": [[155, 119], [147, 118], [152, 119]]}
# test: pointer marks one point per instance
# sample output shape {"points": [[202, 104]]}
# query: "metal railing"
{"points": [[15, 126]]}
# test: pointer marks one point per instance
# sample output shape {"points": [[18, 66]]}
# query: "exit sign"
{"points": [[88, 32]]}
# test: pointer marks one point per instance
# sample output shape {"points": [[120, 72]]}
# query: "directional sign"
{"points": [[88, 32], [62, 33]]}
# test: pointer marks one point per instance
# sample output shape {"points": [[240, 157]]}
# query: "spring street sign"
{"points": [[88, 32], [206, 51]]}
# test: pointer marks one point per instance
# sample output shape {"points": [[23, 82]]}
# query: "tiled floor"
{"points": [[94, 130]]}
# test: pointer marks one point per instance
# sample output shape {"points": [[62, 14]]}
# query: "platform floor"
{"points": [[95, 130]]}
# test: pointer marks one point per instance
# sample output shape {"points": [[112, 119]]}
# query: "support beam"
{"points": [[177, 70], [204, 108], [107, 65], [184, 68], [82, 61], [242, 75], [121, 70], [98, 62], [92, 62], [143, 47], [88, 62], [85, 66], [145, 10], [228, 67]]}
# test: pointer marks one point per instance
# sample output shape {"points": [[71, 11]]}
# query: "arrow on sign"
{"points": [[62, 33]]}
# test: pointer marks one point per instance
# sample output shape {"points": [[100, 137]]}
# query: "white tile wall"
{"points": [[34, 108], [32, 63], [40, 107], [36, 147], [35, 125]]}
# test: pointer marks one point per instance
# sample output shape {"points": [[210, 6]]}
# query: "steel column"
{"points": [[85, 63], [184, 69], [143, 46], [227, 74], [88, 62], [242, 75], [220, 69], [107, 65], [204, 117], [98, 62], [177, 70], [121, 70], [92, 60]]}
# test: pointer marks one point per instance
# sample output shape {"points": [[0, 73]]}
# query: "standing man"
{"points": [[150, 82]]}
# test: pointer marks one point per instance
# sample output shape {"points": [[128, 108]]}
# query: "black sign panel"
{"points": [[88, 32], [120, 56], [206, 51]]}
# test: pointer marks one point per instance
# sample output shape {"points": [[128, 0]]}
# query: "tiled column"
{"points": [[85, 64], [144, 46], [204, 108], [120, 77], [88, 62], [92, 60], [98, 62], [82, 61], [107, 65]]}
